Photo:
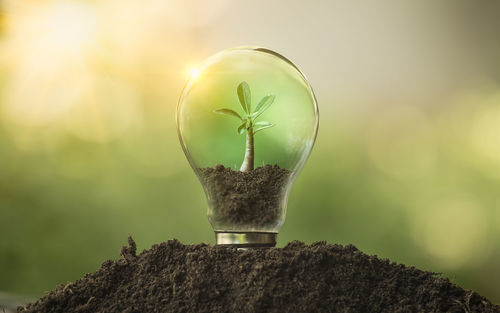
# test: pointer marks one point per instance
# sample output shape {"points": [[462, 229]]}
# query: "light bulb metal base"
{"points": [[249, 239]]}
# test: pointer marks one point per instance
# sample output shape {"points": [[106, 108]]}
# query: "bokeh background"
{"points": [[406, 163]]}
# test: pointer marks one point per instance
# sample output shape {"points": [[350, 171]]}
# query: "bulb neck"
{"points": [[249, 239]]}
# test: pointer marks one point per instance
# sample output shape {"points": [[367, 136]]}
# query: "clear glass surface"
{"points": [[247, 161]]}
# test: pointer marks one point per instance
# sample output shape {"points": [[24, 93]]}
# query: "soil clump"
{"points": [[172, 277], [249, 200]]}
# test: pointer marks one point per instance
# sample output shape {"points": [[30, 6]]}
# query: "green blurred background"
{"points": [[406, 163]]}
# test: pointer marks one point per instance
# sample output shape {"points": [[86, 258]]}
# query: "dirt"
{"points": [[245, 200], [172, 277]]}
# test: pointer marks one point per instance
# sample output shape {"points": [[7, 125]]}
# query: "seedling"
{"points": [[248, 119]]}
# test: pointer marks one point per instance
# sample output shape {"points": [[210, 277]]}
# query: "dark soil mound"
{"points": [[241, 199], [172, 277]]}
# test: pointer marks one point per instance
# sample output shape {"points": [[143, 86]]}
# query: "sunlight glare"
{"points": [[194, 72], [70, 26], [47, 50]]}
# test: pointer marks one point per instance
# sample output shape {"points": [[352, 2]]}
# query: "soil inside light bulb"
{"points": [[252, 200]]}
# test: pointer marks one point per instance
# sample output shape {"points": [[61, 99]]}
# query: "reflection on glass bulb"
{"points": [[247, 121], [194, 72]]}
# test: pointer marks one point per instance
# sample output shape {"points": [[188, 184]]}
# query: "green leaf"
{"points": [[228, 112], [263, 127], [244, 96], [242, 128], [263, 105]]}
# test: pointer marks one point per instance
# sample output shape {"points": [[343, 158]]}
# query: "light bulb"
{"points": [[247, 120]]}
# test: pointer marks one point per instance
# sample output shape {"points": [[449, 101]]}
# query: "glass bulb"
{"points": [[247, 120]]}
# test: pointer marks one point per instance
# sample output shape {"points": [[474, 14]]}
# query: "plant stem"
{"points": [[248, 161]]}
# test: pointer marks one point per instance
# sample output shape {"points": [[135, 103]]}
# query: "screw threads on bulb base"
{"points": [[249, 239]]}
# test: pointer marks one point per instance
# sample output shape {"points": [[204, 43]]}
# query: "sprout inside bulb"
{"points": [[247, 120]]}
